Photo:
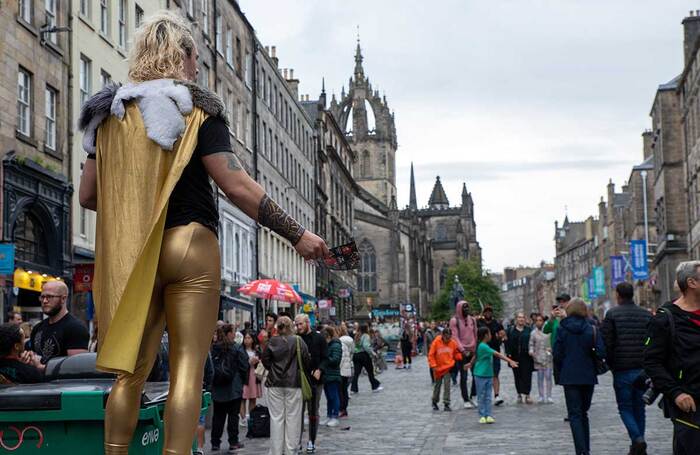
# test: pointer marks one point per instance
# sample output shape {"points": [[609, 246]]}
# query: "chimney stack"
{"points": [[691, 32], [284, 72], [273, 55], [291, 73], [647, 141], [292, 83]]}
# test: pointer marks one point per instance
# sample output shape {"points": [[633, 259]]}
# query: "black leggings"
{"points": [[362, 360], [406, 353], [223, 409], [344, 383]]}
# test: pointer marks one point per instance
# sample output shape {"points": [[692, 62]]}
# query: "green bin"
{"points": [[67, 417]]}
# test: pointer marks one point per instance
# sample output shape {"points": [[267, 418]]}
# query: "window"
{"points": [[205, 16], [122, 24], [365, 164], [50, 118], [30, 239], [25, 10], [238, 253], [248, 128], [85, 7], [239, 121], [190, 8], [105, 77], [228, 249], [217, 32], [85, 78], [248, 70], [24, 106], [232, 111], [204, 76], [367, 276], [239, 57], [50, 9], [138, 16], [104, 17], [229, 47], [441, 232]]}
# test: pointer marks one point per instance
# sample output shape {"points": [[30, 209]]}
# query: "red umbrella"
{"points": [[271, 290]]}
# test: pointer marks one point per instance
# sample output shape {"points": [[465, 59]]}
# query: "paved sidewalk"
{"points": [[399, 420]]}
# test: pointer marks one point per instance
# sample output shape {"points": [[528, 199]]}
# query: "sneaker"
{"points": [[333, 423], [236, 447], [243, 421], [310, 447], [354, 392], [541, 400], [520, 399], [468, 405], [528, 399], [498, 401], [638, 448], [306, 420], [198, 452], [342, 415], [550, 400], [378, 389], [325, 421], [215, 448], [435, 406], [490, 419], [482, 420], [448, 408]]}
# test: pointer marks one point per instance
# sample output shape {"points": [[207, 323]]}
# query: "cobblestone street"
{"points": [[399, 420]]}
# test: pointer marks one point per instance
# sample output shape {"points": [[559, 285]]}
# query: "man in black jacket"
{"points": [[316, 343], [624, 330], [672, 358]]}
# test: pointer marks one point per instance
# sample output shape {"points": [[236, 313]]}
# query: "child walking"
{"points": [[483, 373], [443, 354]]}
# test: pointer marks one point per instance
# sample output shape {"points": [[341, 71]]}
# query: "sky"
{"points": [[535, 104]]}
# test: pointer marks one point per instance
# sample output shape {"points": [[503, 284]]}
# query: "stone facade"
{"points": [[575, 244], [528, 289]]}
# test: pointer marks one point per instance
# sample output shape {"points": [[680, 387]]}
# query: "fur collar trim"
{"points": [[163, 104]]}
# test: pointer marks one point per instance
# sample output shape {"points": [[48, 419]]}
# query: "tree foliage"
{"points": [[479, 291]]}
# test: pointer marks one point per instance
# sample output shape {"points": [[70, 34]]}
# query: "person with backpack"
{"points": [[230, 373], [578, 349], [285, 357], [672, 359], [463, 327], [330, 366]]}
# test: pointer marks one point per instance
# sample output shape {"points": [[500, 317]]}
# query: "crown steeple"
{"points": [[359, 71], [438, 198], [412, 203]]}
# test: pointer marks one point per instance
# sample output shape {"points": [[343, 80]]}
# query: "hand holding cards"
{"points": [[343, 257]]}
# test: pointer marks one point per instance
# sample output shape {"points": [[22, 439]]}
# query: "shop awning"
{"points": [[30, 280], [229, 303]]}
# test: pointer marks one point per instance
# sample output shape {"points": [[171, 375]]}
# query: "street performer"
{"points": [[152, 145]]}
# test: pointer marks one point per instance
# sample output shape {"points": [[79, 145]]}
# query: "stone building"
{"points": [[35, 143], [528, 289], [575, 244], [405, 253], [670, 194], [334, 200]]}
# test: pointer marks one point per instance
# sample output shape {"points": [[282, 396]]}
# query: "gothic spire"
{"points": [[412, 204], [438, 198], [359, 71]]}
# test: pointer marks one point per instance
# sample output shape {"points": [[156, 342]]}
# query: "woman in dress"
{"points": [[252, 390]]}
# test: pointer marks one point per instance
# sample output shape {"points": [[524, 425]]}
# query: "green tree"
{"points": [[479, 290]]}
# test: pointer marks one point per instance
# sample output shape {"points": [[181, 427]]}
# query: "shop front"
{"points": [[36, 204], [236, 309]]}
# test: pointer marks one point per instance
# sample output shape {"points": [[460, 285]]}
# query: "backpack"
{"points": [[259, 423], [223, 373]]}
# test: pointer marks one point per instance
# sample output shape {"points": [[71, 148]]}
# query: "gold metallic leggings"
{"points": [[186, 298]]}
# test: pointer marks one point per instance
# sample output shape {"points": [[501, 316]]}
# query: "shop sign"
{"points": [[7, 258], [82, 277]]}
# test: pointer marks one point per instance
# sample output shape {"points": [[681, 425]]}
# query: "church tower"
{"points": [[369, 127]]}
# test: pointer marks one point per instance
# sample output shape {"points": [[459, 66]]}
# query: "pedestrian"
{"points": [[517, 348], [14, 317], [92, 344], [379, 347], [60, 334], [541, 352], [252, 389], [268, 331], [284, 398], [624, 331], [17, 366], [672, 359], [498, 334], [552, 325], [362, 359], [573, 355], [484, 374], [330, 365], [464, 329], [406, 345], [317, 347], [430, 333], [230, 373], [443, 356], [348, 346]]}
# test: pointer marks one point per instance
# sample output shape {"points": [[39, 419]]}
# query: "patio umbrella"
{"points": [[270, 290]]}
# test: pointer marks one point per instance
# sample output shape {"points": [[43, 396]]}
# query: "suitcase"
{"points": [[259, 423]]}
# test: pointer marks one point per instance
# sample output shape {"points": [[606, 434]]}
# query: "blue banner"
{"points": [[638, 259], [7, 258], [591, 288], [617, 270], [599, 278]]}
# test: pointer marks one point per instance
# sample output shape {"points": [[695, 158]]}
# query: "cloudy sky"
{"points": [[535, 104]]}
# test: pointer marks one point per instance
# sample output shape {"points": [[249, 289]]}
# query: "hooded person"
{"points": [[464, 327], [443, 355], [152, 145]]}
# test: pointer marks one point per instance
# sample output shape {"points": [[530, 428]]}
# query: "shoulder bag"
{"points": [[601, 366], [303, 380]]}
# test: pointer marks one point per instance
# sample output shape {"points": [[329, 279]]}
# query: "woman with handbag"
{"points": [[287, 360], [578, 354], [252, 390]]}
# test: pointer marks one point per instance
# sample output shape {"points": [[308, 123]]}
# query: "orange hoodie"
{"points": [[442, 356]]}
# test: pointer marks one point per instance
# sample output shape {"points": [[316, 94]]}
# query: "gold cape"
{"points": [[135, 178]]}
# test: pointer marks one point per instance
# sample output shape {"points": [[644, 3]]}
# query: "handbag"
{"points": [[260, 372], [303, 380], [601, 366]]}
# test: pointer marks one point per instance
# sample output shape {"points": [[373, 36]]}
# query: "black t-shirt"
{"points": [[20, 373], [495, 327], [54, 340], [193, 198]]}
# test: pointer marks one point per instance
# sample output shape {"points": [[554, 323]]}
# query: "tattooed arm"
{"points": [[249, 196]]}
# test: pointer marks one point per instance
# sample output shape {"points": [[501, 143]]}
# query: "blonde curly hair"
{"points": [[160, 47]]}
